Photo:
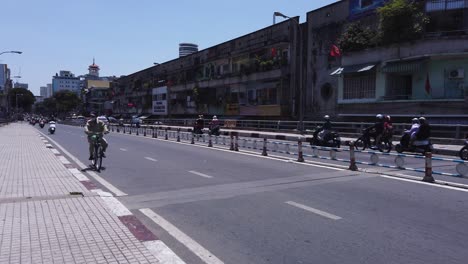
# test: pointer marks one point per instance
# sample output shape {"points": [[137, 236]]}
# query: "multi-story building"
{"points": [[21, 85], [5, 85], [250, 76], [45, 91], [66, 80], [418, 76], [290, 70]]}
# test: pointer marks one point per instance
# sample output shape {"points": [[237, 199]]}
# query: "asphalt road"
{"points": [[249, 209]]}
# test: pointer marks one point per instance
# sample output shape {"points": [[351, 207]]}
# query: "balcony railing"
{"points": [[443, 5]]}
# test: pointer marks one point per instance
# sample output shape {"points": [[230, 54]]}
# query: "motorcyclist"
{"points": [[377, 129], [214, 125], [95, 126], [388, 127], [51, 125], [414, 127], [199, 125], [424, 131], [325, 129]]}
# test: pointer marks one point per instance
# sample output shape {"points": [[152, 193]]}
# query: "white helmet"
{"points": [[326, 117], [379, 116], [415, 120]]}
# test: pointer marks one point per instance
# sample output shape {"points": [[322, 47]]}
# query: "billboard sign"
{"points": [[160, 101], [360, 8]]}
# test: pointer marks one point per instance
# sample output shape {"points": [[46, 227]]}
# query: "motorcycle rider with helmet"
{"points": [[377, 129]]}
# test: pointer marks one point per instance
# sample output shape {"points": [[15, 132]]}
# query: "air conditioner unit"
{"points": [[457, 74]]}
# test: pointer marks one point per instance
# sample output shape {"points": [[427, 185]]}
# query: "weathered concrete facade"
{"points": [[245, 77]]}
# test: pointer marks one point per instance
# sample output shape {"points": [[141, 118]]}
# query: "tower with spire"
{"points": [[93, 70]]}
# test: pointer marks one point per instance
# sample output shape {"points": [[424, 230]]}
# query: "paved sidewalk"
{"points": [[48, 216]]}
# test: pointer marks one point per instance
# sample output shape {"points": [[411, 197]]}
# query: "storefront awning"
{"points": [[353, 69], [404, 66]]}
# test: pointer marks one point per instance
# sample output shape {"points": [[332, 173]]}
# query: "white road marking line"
{"points": [[105, 183], [122, 149], [162, 252], [200, 174], [313, 210], [426, 183], [191, 244], [148, 158]]}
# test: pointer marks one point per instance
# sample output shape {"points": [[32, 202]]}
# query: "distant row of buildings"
{"points": [[293, 70]]}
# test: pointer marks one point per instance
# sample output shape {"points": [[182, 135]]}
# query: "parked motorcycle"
{"points": [[322, 139], [418, 146], [464, 151]]}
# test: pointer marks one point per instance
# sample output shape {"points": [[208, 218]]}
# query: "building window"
{"points": [[359, 86]]}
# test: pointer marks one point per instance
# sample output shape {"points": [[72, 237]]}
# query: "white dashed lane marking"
{"points": [[148, 158], [200, 174]]}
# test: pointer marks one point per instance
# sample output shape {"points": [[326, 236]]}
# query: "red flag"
{"points": [[428, 85], [335, 51], [273, 52]]}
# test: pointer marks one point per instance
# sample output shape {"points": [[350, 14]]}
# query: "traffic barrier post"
{"points": [[428, 168], [352, 158], [300, 156], [178, 135], [264, 151], [165, 135], [210, 143], [232, 142]]}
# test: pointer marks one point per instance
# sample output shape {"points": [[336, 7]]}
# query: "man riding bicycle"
{"points": [[93, 127]]}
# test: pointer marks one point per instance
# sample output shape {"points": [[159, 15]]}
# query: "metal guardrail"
{"points": [[437, 130], [294, 146]]}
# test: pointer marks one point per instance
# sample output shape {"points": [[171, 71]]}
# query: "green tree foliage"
{"points": [[25, 99], [48, 107], [401, 20], [66, 101], [357, 37]]}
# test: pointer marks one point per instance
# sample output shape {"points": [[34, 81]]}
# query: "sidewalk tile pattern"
{"points": [[62, 229]]}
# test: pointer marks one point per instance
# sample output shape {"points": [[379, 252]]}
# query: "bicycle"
{"points": [[97, 150]]}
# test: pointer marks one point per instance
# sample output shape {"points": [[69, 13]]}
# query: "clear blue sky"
{"points": [[124, 36]]}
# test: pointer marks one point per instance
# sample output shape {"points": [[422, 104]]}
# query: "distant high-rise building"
{"points": [[4, 77], [20, 85], [45, 91], [187, 49], [65, 81]]}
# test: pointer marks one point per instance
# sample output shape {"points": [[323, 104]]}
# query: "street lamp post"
{"points": [[298, 68]]}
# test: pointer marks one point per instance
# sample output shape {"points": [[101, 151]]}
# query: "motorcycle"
{"points": [[52, 127], [41, 124], [364, 141], [418, 146], [322, 139], [464, 151], [214, 131]]}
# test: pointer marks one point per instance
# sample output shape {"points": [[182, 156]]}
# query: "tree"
{"points": [[66, 101], [25, 99], [48, 107], [357, 37], [401, 20]]}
